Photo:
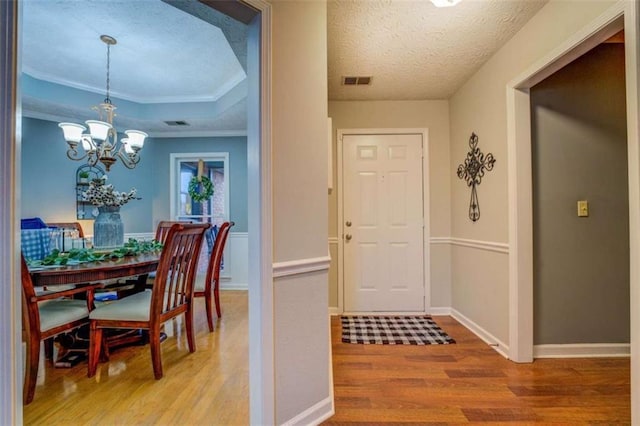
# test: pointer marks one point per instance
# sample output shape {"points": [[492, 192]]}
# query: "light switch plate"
{"points": [[583, 208]]}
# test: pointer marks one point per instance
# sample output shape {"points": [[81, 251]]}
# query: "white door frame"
{"points": [[261, 327], [11, 365], [424, 132], [174, 173], [621, 14]]}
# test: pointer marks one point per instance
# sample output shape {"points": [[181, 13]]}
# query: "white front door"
{"points": [[383, 223]]}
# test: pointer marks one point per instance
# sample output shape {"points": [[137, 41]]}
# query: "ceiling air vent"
{"points": [[356, 81], [176, 123]]}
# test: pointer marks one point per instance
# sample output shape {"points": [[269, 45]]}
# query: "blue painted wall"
{"points": [[48, 177], [237, 149]]}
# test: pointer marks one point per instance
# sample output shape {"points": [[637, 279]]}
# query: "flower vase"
{"points": [[108, 230]]}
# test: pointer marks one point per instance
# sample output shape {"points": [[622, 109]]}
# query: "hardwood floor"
{"points": [[463, 383], [470, 382], [208, 387]]}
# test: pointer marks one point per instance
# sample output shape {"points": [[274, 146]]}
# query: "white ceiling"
{"points": [[169, 57]]}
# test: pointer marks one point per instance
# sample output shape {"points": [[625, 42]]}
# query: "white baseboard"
{"points": [[583, 350], [440, 310], [500, 347], [313, 415], [334, 310]]}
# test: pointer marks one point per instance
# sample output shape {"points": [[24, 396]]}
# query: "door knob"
{"points": [[348, 237], [348, 223]]}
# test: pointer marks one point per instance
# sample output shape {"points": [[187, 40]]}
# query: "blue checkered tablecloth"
{"points": [[35, 243]]}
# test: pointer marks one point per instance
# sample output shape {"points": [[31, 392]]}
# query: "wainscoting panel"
{"points": [[303, 341], [236, 260], [139, 235]]}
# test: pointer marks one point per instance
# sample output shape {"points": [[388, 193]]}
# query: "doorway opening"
{"points": [[581, 257], [620, 16], [256, 14]]}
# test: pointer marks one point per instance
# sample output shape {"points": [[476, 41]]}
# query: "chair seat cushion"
{"points": [[56, 312], [131, 308], [198, 284]]}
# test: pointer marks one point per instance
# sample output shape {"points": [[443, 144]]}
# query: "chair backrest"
{"points": [[163, 227], [30, 313], [175, 276], [213, 270], [68, 225]]}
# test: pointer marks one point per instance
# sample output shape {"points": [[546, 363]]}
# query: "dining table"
{"points": [[136, 268], [99, 271]]}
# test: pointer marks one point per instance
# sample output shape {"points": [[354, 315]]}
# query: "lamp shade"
{"points": [[99, 129], [136, 138], [127, 147], [72, 131], [87, 144]]}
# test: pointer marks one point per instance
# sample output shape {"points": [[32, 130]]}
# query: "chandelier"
{"points": [[101, 143]]}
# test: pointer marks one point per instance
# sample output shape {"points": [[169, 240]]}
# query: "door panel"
{"points": [[383, 229]]}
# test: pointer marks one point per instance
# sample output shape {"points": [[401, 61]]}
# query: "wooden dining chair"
{"points": [[171, 295], [211, 282], [162, 230], [45, 316]]}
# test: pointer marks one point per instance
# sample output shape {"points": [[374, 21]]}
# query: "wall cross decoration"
{"points": [[472, 171]]}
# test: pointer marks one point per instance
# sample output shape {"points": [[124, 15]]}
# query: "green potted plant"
{"points": [[83, 176]]}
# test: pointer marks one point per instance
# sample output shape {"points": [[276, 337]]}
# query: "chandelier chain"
{"points": [[108, 99]]}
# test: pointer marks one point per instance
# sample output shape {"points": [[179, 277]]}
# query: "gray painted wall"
{"points": [[581, 265], [50, 177]]}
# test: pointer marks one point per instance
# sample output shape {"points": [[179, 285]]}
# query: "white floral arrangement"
{"points": [[100, 194]]}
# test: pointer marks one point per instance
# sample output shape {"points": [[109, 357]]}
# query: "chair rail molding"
{"points": [[301, 266], [476, 244]]}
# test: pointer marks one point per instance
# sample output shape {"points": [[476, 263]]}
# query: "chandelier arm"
{"points": [[129, 160], [73, 154]]}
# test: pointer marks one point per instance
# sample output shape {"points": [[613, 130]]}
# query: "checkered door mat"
{"points": [[393, 330]]}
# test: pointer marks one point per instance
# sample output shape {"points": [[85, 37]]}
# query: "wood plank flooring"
{"points": [[463, 383], [208, 387], [469, 382]]}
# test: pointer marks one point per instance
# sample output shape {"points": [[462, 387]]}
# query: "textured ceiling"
{"points": [[162, 54], [182, 60], [412, 49], [174, 60]]}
